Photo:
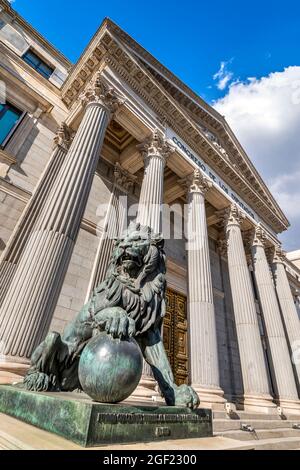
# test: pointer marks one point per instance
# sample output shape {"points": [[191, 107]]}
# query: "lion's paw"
{"points": [[115, 322], [37, 382], [187, 397]]}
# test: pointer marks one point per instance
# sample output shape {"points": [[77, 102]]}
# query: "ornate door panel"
{"points": [[175, 335]]}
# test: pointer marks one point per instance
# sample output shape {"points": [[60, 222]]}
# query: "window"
{"points": [[38, 64], [9, 118]]}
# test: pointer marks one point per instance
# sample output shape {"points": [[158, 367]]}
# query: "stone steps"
{"points": [[271, 431], [221, 425], [289, 443], [244, 416], [260, 434], [8, 442]]}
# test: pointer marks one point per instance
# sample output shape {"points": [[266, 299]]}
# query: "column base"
{"points": [[288, 406], [256, 404], [12, 370], [212, 398], [147, 392]]}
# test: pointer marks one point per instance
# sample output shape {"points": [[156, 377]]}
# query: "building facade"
{"points": [[80, 147]]}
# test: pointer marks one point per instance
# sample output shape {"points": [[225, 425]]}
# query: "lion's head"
{"points": [[136, 278]]}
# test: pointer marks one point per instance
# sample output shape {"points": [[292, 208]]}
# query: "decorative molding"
{"points": [[222, 247], [64, 137], [196, 183], [14, 191], [232, 215], [123, 179], [99, 92], [157, 146], [110, 50]]}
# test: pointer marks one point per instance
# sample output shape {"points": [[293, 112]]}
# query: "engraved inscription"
{"points": [[162, 432], [139, 418]]}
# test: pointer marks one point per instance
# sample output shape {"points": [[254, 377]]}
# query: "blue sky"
{"points": [[242, 57], [190, 37]]}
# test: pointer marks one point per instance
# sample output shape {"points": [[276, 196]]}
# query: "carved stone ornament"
{"points": [[156, 145], [259, 237], [279, 255], [198, 183], [275, 254], [64, 136], [100, 92], [232, 215], [223, 247], [123, 179]]}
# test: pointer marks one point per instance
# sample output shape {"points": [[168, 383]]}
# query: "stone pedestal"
{"points": [[28, 306], [280, 360], [98, 424], [204, 365], [288, 311], [255, 381]]}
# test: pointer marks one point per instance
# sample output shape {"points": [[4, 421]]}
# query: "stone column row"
{"points": [[115, 224], [288, 311], [155, 152], [204, 363], [28, 306], [253, 365], [15, 246], [279, 355]]}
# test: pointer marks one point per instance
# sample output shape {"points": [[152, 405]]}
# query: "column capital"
{"points": [[276, 255], [231, 215], [100, 93], [196, 183], [223, 247], [123, 179], [156, 146], [256, 236], [63, 137]]}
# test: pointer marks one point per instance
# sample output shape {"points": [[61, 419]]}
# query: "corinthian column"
{"points": [[254, 372], [15, 246], [115, 223], [204, 364], [27, 309], [284, 381], [155, 152], [288, 310]]}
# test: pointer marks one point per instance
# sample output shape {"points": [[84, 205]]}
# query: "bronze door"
{"points": [[175, 335]]}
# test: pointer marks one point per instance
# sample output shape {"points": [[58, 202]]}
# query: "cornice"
{"points": [[108, 50], [25, 25]]}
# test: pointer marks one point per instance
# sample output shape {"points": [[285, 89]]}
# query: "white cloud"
{"points": [[265, 115], [223, 76]]}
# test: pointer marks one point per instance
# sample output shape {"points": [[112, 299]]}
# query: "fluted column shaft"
{"points": [[204, 364], [254, 372], [279, 353], [155, 152], [15, 246], [289, 312], [28, 307], [115, 224]]}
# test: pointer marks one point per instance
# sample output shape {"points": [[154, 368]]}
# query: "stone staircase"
{"points": [[259, 431]]}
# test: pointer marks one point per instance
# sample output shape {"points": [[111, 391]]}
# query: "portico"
{"points": [[133, 139]]}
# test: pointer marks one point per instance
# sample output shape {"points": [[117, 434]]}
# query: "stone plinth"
{"points": [[76, 417]]}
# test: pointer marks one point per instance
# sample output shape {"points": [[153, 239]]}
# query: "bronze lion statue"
{"points": [[129, 303]]}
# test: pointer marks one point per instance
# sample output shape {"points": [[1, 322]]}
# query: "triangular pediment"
{"points": [[198, 124]]}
